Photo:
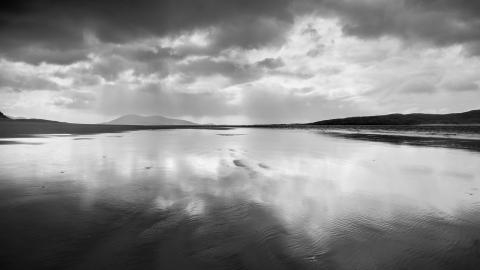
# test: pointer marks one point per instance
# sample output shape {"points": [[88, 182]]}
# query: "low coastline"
{"points": [[451, 136]]}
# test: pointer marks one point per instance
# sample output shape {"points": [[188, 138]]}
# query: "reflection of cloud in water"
{"points": [[317, 202]]}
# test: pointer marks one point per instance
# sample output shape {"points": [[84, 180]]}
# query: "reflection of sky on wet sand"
{"points": [[335, 198]]}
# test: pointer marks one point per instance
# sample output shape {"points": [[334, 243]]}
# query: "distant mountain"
{"points": [[155, 120], [470, 117], [3, 116]]}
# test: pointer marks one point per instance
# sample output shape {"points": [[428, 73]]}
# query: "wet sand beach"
{"points": [[236, 199]]}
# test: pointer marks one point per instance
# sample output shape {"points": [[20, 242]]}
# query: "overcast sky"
{"points": [[237, 61]]}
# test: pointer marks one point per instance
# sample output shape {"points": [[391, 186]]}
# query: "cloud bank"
{"points": [[237, 61]]}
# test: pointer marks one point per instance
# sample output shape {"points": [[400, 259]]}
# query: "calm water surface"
{"points": [[236, 199]]}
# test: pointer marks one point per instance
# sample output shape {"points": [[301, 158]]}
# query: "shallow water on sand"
{"points": [[236, 199]]}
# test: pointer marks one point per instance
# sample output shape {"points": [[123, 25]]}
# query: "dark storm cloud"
{"points": [[54, 26], [110, 61], [250, 32], [58, 31], [440, 22]]}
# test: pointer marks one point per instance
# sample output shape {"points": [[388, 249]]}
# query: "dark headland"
{"points": [[454, 130], [3, 116], [465, 118]]}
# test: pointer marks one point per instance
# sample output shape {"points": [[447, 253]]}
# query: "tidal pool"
{"points": [[236, 199]]}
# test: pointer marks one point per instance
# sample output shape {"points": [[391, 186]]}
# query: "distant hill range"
{"points": [[465, 118], [155, 120]]}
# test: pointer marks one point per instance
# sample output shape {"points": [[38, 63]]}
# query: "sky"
{"points": [[237, 61]]}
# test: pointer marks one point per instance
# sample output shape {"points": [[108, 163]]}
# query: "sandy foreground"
{"points": [[236, 198]]}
